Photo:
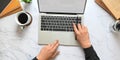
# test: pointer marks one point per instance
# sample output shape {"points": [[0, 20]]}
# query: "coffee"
{"points": [[22, 18]]}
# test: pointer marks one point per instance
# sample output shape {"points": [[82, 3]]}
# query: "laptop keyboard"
{"points": [[58, 23]]}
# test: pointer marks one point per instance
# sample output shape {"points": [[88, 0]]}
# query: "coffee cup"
{"points": [[116, 26], [23, 19]]}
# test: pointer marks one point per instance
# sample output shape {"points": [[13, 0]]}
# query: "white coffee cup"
{"points": [[23, 19], [115, 26]]}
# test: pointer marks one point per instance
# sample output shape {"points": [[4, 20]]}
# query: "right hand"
{"points": [[81, 33]]}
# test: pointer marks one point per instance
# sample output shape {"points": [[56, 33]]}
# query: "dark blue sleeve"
{"points": [[34, 58], [90, 54]]}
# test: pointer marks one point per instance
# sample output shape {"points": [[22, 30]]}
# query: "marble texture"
{"points": [[22, 45]]}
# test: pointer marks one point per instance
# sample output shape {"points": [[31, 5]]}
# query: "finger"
{"points": [[56, 45], [79, 27], [83, 27], [55, 54], [53, 44], [75, 28]]}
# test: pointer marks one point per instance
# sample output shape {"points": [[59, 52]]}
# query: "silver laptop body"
{"points": [[56, 18]]}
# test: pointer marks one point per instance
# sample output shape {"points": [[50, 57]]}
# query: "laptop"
{"points": [[56, 19]]}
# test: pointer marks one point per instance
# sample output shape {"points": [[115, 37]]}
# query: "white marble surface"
{"points": [[22, 45]]}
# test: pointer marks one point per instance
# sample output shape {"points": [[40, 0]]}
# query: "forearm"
{"points": [[90, 54]]}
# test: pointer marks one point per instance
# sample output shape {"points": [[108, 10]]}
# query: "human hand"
{"points": [[48, 52], [81, 33]]}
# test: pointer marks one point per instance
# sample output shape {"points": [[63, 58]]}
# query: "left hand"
{"points": [[48, 52]]}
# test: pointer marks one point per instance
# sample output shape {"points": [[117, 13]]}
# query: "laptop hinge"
{"points": [[61, 13]]}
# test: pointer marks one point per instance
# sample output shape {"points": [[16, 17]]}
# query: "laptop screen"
{"points": [[62, 6]]}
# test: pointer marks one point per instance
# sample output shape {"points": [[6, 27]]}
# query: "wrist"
{"points": [[87, 45], [39, 58]]}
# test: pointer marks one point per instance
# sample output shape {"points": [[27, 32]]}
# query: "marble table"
{"points": [[22, 45]]}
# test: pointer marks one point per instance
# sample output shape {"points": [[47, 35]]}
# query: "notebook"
{"points": [[3, 4], [111, 6], [12, 6], [101, 4], [12, 12]]}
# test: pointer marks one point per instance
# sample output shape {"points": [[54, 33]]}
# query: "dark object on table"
{"points": [[12, 7], [3, 4]]}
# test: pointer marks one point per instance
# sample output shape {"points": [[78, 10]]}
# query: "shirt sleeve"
{"points": [[34, 58], [90, 54]]}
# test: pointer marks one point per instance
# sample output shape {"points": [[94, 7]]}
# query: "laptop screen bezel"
{"points": [[61, 12]]}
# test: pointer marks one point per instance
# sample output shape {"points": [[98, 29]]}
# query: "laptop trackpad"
{"points": [[65, 38]]}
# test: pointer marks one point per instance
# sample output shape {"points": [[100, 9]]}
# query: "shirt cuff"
{"points": [[90, 54], [35, 58], [89, 50]]}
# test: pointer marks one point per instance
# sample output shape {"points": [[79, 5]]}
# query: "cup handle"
{"points": [[22, 27]]}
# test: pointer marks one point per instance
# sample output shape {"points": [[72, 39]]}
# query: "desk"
{"points": [[17, 45]]}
